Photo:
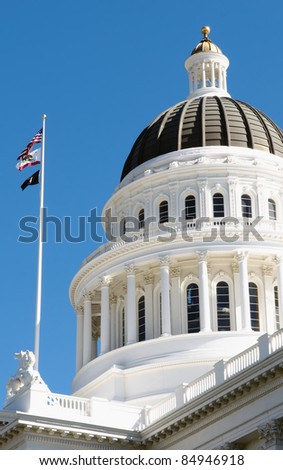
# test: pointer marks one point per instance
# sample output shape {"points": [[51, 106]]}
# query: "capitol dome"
{"points": [[205, 121], [209, 117]]}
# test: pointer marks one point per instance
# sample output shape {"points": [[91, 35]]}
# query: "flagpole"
{"points": [[40, 246]]}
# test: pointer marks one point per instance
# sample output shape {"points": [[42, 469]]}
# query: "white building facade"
{"points": [[180, 314]]}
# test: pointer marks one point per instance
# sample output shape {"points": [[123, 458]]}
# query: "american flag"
{"points": [[35, 140]]}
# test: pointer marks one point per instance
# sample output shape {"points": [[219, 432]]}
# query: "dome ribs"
{"points": [[262, 135], [241, 135], [190, 127], [205, 121], [275, 134], [169, 130], [214, 122], [183, 130]]}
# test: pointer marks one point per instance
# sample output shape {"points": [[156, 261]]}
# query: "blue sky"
{"points": [[101, 71]]}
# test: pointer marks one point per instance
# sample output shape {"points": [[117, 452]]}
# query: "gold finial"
{"points": [[44, 116], [205, 31]]}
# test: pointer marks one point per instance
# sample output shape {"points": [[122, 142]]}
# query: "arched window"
{"points": [[122, 226], [141, 318], [141, 219], [223, 306], [163, 212], [271, 209], [190, 207], [246, 206], [193, 320], [254, 306], [218, 205], [276, 305]]}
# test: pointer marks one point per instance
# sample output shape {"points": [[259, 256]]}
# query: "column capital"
{"points": [[164, 260], [79, 309], [270, 430], [202, 184], [130, 269], [277, 259], [202, 255], [87, 294], [241, 256], [105, 281]]}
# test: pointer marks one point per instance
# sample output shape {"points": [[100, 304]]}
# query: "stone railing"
{"points": [[221, 372], [100, 411], [200, 228], [74, 405]]}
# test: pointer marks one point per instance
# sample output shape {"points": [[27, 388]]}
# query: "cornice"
{"points": [[140, 250], [211, 407], [52, 434]]}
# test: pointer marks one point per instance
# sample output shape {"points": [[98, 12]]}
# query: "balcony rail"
{"points": [[196, 227], [186, 393]]}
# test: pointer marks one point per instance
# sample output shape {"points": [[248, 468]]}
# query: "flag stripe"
{"points": [[32, 158], [35, 140], [23, 166]]}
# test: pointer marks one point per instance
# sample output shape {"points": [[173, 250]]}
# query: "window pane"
{"points": [[223, 307], [141, 219], [190, 207], [218, 205], [246, 206], [271, 209], [163, 212], [276, 304], [193, 308], [254, 306], [141, 316]]}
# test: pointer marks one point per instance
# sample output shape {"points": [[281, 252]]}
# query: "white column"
{"points": [[165, 297], [191, 81], [203, 75], [261, 198], [242, 258], [203, 203], [79, 338], [269, 299], [237, 296], [113, 321], [105, 316], [195, 78], [204, 304], [131, 329], [212, 74], [232, 197], [87, 346], [279, 266], [225, 79], [176, 301], [220, 76], [148, 293]]}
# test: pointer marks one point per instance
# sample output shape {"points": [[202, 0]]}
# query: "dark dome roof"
{"points": [[205, 121]]}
